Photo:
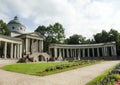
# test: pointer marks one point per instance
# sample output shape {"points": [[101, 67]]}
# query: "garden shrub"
{"points": [[59, 67], [72, 64], [51, 68]]}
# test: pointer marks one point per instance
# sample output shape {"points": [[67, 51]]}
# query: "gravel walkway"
{"points": [[74, 77]]}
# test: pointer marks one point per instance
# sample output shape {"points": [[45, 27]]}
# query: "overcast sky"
{"points": [[84, 17]]}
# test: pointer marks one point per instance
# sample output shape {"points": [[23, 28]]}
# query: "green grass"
{"points": [[96, 81], [39, 68]]}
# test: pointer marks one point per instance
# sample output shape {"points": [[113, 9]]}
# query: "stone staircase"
{"points": [[40, 57]]}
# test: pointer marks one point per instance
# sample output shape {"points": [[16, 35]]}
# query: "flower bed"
{"points": [[108, 78]]}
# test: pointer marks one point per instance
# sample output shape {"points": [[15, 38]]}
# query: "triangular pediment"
{"points": [[36, 34], [33, 34]]}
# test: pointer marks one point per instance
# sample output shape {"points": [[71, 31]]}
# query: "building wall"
{"points": [[17, 28]]}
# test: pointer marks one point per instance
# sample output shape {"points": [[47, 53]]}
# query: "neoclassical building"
{"points": [[20, 43]]}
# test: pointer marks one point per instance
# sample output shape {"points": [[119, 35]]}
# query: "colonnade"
{"points": [[12, 48], [86, 50]]}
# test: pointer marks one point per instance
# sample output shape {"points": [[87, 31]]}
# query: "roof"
{"points": [[10, 38], [35, 35], [82, 45], [15, 21]]}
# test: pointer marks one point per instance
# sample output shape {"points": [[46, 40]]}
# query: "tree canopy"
{"points": [[55, 34], [77, 39], [104, 37], [3, 28], [52, 33]]}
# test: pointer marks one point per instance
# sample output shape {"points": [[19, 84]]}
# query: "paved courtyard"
{"points": [[74, 77]]}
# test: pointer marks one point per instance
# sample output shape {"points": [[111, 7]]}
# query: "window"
{"points": [[13, 27]]}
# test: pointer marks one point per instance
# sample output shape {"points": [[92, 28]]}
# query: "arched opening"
{"points": [[41, 58]]}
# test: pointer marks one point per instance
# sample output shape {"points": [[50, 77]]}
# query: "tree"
{"points": [[4, 29], [41, 29], [101, 37], [77, 39], [110, 36], [52, 33]]}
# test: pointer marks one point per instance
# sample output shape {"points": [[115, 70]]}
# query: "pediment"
{"points": [[35, 34]]}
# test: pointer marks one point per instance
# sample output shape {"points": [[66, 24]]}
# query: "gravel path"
{"points": [[74, 77]]}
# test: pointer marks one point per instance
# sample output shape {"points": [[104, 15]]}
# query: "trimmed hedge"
{"points": [[72, 64]]}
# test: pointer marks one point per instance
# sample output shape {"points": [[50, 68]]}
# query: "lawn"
{"points": [[47, 68]]}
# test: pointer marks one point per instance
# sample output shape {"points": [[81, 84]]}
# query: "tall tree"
{"points": [[52, 33], [77, 39], [3, 28], [3, 31], [101, 37], [112, 35]]}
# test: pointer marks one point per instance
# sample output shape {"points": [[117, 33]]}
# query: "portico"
{"points": [[32, 42], [84, 51]]}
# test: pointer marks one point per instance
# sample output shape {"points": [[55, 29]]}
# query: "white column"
{"points": [[42, 45], [88, 52], [20, 50], [55, 52], [5, 50], [98, 54], [74, 53], [11, 51], [106, 52], [26, 45], [103, 51], [79, 54], [15, 51], [59, 52], [83, 50], [115, 53]]}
